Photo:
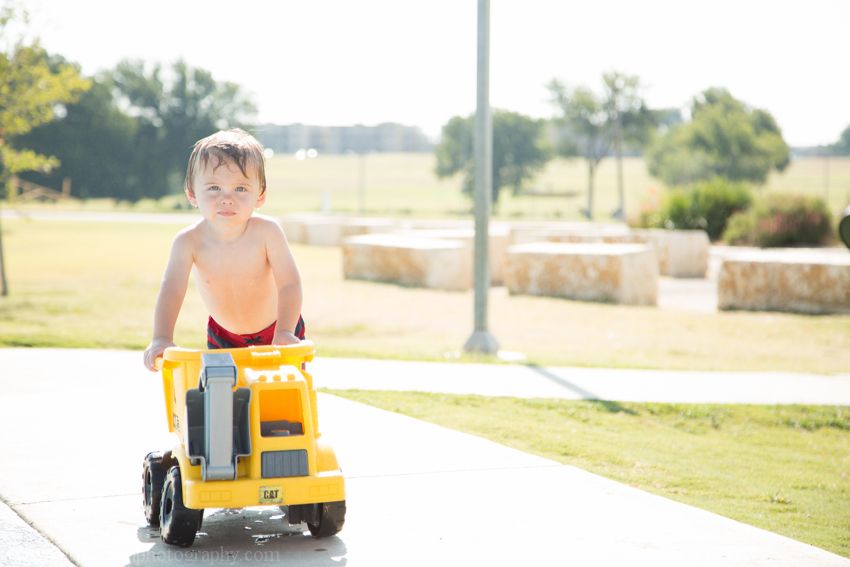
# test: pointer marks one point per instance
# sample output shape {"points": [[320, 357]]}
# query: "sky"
{"points": [[350, 62]]}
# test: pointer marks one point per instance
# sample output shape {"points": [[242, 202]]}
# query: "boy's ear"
{"points": [[261, 200], [191, 198]]}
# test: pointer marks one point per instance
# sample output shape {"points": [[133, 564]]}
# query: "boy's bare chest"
{"points": [[231, 264]]}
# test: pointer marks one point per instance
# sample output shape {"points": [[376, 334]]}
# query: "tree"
{"points": [[129, 137], [29, 91], [842, 146], [724, 138], [173, 112], [630, 118], [592, 123], [519, 150], [95, 141]]}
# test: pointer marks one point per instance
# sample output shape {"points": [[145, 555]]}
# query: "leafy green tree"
{"points": [[631, 120], [141, 152], [519, 150], [842, 146], [174, 111], [592, 123], [29, 91], [94, 140], [724, 138]]}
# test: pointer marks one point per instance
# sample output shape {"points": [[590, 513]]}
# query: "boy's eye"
{"points": [[214, 188], [241, 189]]}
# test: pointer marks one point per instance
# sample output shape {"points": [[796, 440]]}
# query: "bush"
{"points": [[707, 206], [781, 220]]}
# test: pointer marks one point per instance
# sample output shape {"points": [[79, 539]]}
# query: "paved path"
{"points": [[76, 424], [765, 388]]}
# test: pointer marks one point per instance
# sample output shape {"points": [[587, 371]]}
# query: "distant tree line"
{"points": [[130, 134], [723, 138]]}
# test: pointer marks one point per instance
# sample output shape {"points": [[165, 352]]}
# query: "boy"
{"points": [[242, 263]]}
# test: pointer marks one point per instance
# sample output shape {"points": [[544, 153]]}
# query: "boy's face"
{"points": [[223, 195]]}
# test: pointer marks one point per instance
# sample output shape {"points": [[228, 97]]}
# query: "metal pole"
{"points": [[481, 339], [361, 185]]}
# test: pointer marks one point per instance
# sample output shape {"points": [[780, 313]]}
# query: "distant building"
{"points": [[387, 137]]}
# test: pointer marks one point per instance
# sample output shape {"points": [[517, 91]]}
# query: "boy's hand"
{"points": [[283, 338], [155, 349]]}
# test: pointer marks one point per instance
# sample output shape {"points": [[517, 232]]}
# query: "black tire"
{"points": [[178, 524], [153, 477], [331, 519]]}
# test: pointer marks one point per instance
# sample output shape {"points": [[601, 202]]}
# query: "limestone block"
{"points": [[525, 233], [499, 237], [422, 262], [579, 237], [415, 224], [324, 231], [798, 281], [293, 227], [681, 253], [357, 226], [620, 273]]}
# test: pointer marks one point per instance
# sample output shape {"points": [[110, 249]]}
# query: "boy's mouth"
{"points": [[227, 213]]}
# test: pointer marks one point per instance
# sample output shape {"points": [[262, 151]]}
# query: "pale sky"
{"points": [[371, 61]]}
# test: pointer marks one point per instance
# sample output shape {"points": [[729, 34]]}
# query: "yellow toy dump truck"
{"points": [[249, 436]]}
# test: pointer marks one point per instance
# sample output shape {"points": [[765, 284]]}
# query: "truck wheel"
{"points": [[331, 518], [153, 477], [178, 524]]}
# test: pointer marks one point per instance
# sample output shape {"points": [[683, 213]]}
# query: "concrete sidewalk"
{"points": [[622, 385], [77, 424]]}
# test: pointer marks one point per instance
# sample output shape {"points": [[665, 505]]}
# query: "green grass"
{"points": [[77, 284], [405, 185], [780, 468]]}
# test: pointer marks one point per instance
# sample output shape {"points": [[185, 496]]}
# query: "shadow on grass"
{"points": [[607, 405]]}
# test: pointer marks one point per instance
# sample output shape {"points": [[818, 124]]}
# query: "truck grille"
{"points": [[280, 464]]}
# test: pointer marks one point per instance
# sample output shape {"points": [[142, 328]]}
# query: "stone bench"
{"points": [[357, 226], [421, 262], [680, 253], [498, 245], [619, 273], [799, 281], [314, 229]]}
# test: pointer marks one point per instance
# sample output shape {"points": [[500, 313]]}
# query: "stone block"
{"points": [[498, 244], [681, 253], [619, 273], [293, 227], [324, 231], [798, 281], [357, 226], [421, 262], [526, 233]]}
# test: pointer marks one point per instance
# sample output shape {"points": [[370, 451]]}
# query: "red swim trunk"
{"points": [[219, 337]]}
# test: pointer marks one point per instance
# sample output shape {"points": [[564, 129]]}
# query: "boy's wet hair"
{"points": [[234, 145]]}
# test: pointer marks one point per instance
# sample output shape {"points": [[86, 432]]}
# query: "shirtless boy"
{"points": [[242, 263]]}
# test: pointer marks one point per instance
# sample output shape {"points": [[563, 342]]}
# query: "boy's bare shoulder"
{"points": [[266, 225], [189, 236]]}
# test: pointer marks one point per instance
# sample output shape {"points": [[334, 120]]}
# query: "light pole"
{"points": [[481, 340]]}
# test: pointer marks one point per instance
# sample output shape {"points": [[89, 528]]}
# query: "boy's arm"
{"points": [[288, 283], [175, 281]]}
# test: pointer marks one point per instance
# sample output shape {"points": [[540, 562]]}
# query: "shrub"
{"points": [[707, 205], [781, 220]]}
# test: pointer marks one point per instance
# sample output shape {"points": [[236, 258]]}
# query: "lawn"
{"points": [[405, 185], [785, 469], [77, 284]]}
